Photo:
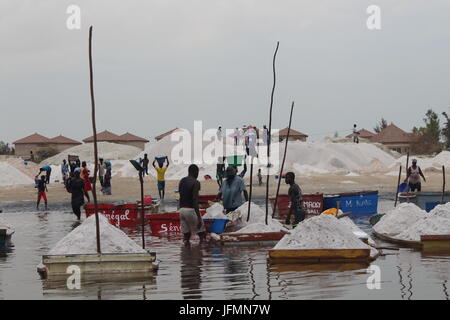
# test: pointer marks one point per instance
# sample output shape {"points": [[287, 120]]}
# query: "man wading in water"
{"points": [[295, 195], [413, 176], [190, 218], [76, 187]]}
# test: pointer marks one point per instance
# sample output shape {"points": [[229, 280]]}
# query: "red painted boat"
{"points": [[123, 215], [313, 203], [166, 222]]}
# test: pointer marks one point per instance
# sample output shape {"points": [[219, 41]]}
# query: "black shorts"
{"points": [[415, 186]]}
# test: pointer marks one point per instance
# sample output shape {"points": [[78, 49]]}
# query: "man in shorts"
{"points": [[190, 218], [160, 175], [295, 195], [413, 177]]}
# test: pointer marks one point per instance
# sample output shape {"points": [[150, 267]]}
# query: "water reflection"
{"points": [[191, 271]]}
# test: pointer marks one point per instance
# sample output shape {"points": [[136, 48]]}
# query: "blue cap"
{"points": [[77, 170]]}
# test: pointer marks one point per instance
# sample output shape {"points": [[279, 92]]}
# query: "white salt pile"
{"points": [[10, 176], [399, 219], [106, 150], [256, 223], [436, 222], [82, 240], [321, 232], [215, 212], [425, 163]]}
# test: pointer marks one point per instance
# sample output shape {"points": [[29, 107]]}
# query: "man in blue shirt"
{"points": [[231, 191]]}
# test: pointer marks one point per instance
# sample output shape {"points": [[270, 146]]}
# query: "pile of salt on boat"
{"points": [[119, 253], [408, 225], [6, 233], [324, 239], [254, 231]]}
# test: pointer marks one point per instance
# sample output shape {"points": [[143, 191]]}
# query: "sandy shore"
{"points": [[128, 189]]}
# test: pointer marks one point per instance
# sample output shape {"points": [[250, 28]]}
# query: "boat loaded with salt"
{"points": [[409, 226]]}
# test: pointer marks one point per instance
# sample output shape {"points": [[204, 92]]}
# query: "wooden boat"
{"points": [[5, 236], [424, 200], [320, 255], [402, 243], [435, 243], [317, 267], [262, 238], [359, 203], [122, 215], [312, 202], [97, 264], [166, 222]]}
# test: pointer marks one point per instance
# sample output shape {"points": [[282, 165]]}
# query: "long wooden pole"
{"points": [[269, 138], [443, 184], [282, 163], [141, 180], [398, 183], [251, 188], [94, 130]]}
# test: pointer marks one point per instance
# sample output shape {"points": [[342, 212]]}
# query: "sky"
{"points": [[160, 64]]}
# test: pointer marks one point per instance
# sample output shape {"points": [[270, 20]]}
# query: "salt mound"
{"points": [[436, 222], [10, 176], [261, 227], [400, 218], [430, 164], [257, 221], [106, 150], [215, 212], [321, 232], [82, 240]]}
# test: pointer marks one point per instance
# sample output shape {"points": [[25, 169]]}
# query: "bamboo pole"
{"points": [[443, 184], [398, 183], [141, 180], [94, 130], [270, 132], [251, 188], [282, 163]]}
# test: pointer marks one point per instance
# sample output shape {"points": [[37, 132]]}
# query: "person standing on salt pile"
{"points": [[48, 172], [295, 195], [106, 189], [231, 191], [87, 181], [160, 175], [64, 171], [265, 135], [42, 188], [75, 186], [145, 162], [219, 133], [413, 177], [190, 218], [355, 134]]}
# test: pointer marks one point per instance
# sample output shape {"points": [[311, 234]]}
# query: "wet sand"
{"points": [[128, 189]]}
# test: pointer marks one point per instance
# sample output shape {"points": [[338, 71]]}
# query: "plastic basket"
{"points": [[215, 225]]}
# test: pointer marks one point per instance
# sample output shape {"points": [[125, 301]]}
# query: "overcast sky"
{"points": [[165, 63]]}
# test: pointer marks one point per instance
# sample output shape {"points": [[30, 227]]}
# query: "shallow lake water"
{"points": [[210, 271]]}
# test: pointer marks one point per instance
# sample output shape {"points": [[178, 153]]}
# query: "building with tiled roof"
{"points": [[36, 142], [395, 138], [294, 135], [126, 138]]}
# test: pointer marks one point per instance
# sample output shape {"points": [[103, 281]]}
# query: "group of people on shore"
{"points": [[77, 181]]}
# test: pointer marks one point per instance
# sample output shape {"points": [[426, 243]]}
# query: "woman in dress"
{"points": [[85, 176]]}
